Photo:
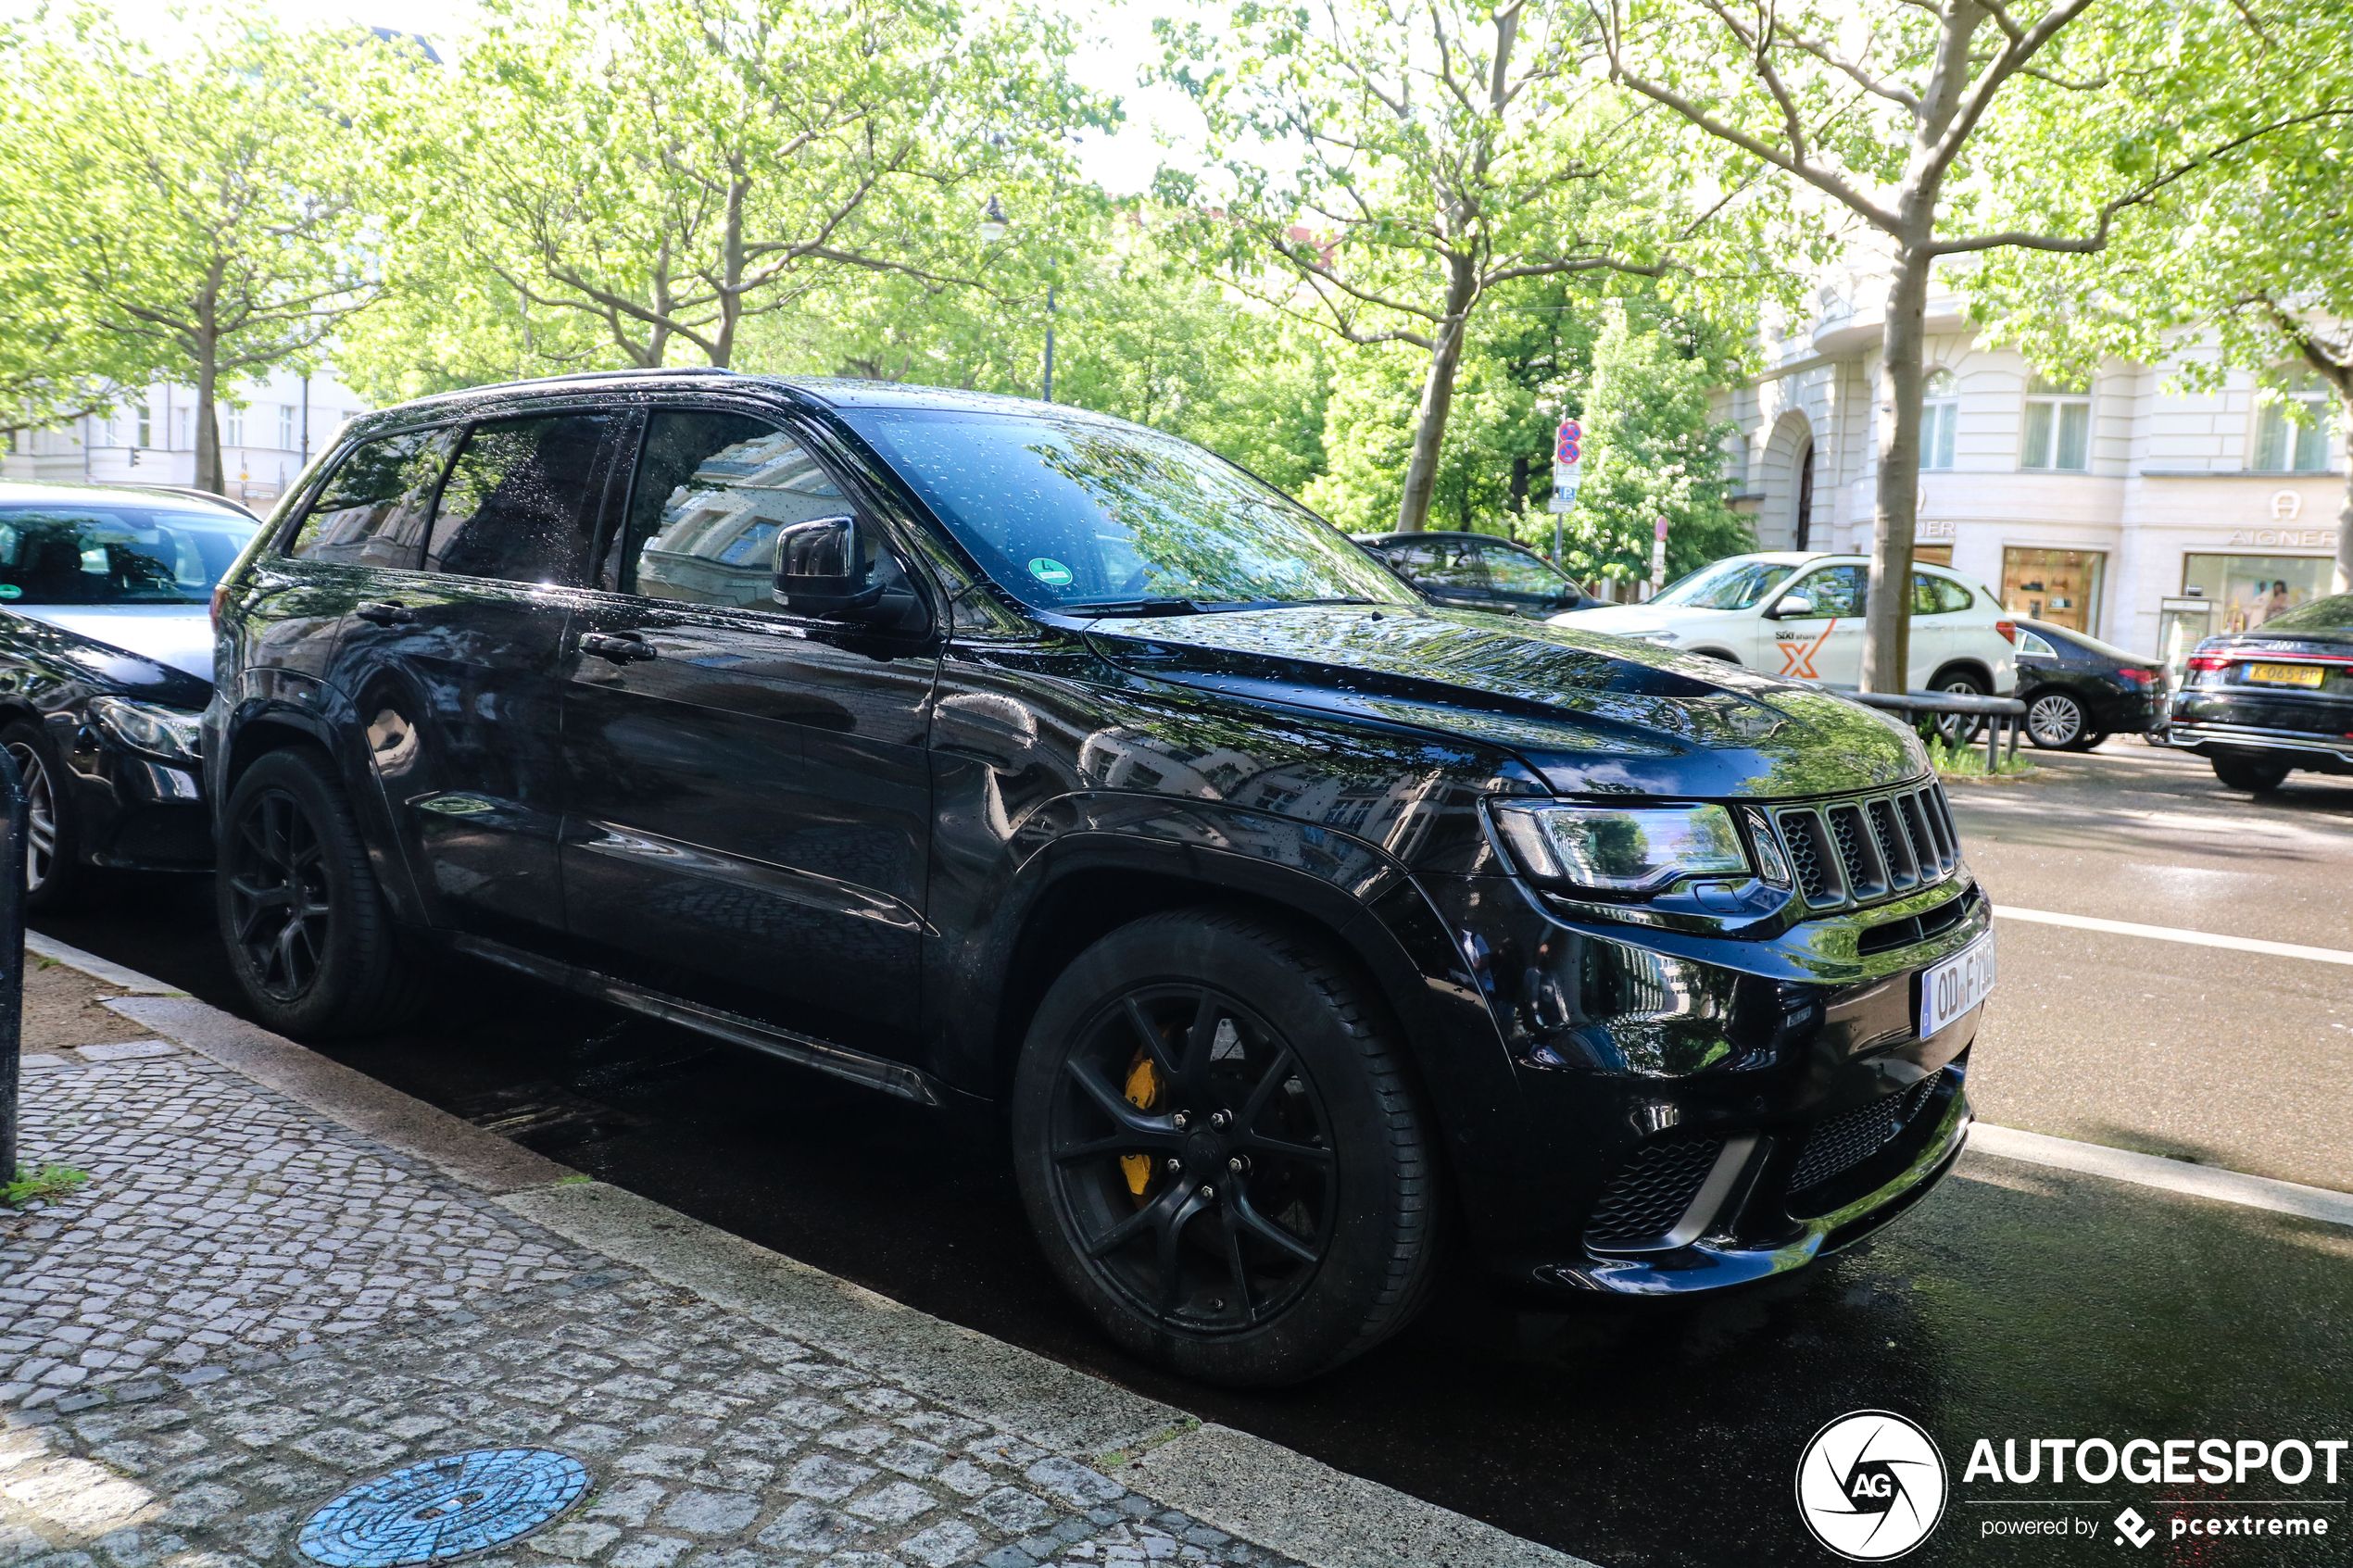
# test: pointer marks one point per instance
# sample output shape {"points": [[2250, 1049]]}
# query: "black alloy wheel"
{"points": [[53, 870], [308, 936], [1218, 1149], [2251, 774], [2055, 722]]}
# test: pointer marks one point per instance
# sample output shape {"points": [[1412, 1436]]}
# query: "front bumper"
{"points": [[131, 811], [1762, 1100]]}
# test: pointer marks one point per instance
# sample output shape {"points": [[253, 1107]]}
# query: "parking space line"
{"points": [[2172, 1175], [2175, 933]]}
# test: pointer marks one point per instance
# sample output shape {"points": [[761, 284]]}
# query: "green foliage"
{"points": [[1966, 762], [40, 1184], [197, 212], [1650, 452]]}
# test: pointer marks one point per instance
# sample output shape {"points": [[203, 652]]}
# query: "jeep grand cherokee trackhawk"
{"points": [[1014, 760]]}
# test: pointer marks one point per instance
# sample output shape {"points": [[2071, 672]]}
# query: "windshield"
{"points": [[1726, 584], [1521, 572], [116, 553], [1073, 513]]}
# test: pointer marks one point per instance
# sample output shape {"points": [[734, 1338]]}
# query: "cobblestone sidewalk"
{"points": [[251, 1308]]}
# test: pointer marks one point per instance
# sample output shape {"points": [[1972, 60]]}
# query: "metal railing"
{"points": [[2002, 714]]}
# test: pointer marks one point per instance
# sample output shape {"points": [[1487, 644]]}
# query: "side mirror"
{"points": [[1797, 606], [822, 567]]}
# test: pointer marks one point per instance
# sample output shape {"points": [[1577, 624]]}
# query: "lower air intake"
{"points": [[1653, 1190]]}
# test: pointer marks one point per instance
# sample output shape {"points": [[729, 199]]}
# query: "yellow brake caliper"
{"points": [[1143, 1093]]}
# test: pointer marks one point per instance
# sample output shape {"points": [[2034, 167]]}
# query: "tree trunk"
{"points": [[1887, 627], [1438, 400], [208, 423], [2343, 574]]}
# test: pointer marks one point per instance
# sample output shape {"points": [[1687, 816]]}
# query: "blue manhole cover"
{"points": [[444, 1508]]}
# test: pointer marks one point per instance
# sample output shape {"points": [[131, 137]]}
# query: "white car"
{"points": [[1794, 612]]}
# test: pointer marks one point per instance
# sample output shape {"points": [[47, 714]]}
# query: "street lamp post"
{"points": [[994, 226]]}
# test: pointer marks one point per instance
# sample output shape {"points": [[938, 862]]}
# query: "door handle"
{"points": [[386, 614], [621, 648]]}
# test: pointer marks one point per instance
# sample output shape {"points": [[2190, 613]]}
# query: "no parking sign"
{"points": [[1568, 451]]}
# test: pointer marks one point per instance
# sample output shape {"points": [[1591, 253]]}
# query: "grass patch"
{"points": [[1969, 761], [40, 1184]]}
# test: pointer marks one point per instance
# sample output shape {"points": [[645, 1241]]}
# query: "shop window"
{"points": [[2292, 432], [1940, 407], [2058, 427], [2060, 586], [2250, 590], [1940, 555]]}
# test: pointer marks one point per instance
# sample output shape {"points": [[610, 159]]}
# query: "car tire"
{"points": [[2251, 774], [2056, 721], [288, 842], [54, 875], [1299, 1222], [1958, 729]]}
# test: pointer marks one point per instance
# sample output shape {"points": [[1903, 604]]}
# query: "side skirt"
{"points": [[872, 1071]]}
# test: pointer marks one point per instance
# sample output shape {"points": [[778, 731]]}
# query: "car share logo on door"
{"points": [[1870, 1485]]}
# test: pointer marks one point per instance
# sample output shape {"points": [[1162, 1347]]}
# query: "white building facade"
{"points": [[264, 444], [2142, 515]]}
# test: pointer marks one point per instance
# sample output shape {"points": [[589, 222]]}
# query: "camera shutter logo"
{"points": [[1870, 1485]]}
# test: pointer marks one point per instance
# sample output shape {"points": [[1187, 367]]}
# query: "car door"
{"points": [[1941, 631], [749, 793], [453, 664], [1824, 643]]}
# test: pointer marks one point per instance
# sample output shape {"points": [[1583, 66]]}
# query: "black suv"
{"points": [[1013, 759]]}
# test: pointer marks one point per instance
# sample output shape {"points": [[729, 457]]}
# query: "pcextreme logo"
{"points": [[1870, 1485]]}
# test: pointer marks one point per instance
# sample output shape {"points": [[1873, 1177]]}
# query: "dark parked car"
{"points": [[2262, 702], [106, 665], [2078, 690], [1479, 572], [1036, 766]]}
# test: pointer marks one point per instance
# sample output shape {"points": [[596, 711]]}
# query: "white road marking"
{"points": [[2175, 933], [2172, 1175]]}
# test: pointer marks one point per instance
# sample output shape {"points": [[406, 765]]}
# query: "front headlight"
{"points": [[1621, 849], [142, 726]]}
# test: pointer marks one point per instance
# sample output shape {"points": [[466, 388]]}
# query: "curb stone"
{"points": [[1026, 1424]]}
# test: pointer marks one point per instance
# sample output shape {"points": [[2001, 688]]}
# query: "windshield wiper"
{"points": [[1133, 607]]}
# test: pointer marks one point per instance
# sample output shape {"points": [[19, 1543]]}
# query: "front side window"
{"points": [[115, 554], [713, 493], [1835, 590], [2058, 427], [1940, 411], [374, 508], [2292, 436], [519, 504], [1726, 584], [1069, 511]]}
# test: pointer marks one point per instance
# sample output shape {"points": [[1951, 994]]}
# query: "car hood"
{"points": [[1592, 714], [179, 636]]}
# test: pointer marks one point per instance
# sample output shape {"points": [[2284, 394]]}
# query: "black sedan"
{"points": [[1479, 572], [2078, 691], [2262, 702], [106, 665]]}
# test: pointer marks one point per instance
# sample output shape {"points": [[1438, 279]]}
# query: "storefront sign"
{"points": [[2286, 505], [2284, 538]]}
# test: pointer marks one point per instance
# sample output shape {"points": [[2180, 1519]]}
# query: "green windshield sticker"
{"points": [[10, 591], [1052, 572]]}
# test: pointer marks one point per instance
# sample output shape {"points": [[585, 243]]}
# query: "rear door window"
{"points": [[523, 499], [372, 509]]}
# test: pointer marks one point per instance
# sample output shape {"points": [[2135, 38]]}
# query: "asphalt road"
{"points": [[2017, 1301]]}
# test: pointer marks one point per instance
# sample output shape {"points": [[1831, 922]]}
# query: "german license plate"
{"points": [[1955, 986], [2286, 675]]}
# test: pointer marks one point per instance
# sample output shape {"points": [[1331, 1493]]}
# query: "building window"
{"points": [[233, 429], [2060, 586], [2252, 589], [147, 429], [285, 427], [1940, 406], [184, 427], [2058, 427], [1802, 524], [2300, 444]]}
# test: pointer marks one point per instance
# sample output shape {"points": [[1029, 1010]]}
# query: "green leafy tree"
{"points": [[1960, 127], [198, 212], [1430, 157], [1650, 452], [2247, 259], [666, 172]]}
